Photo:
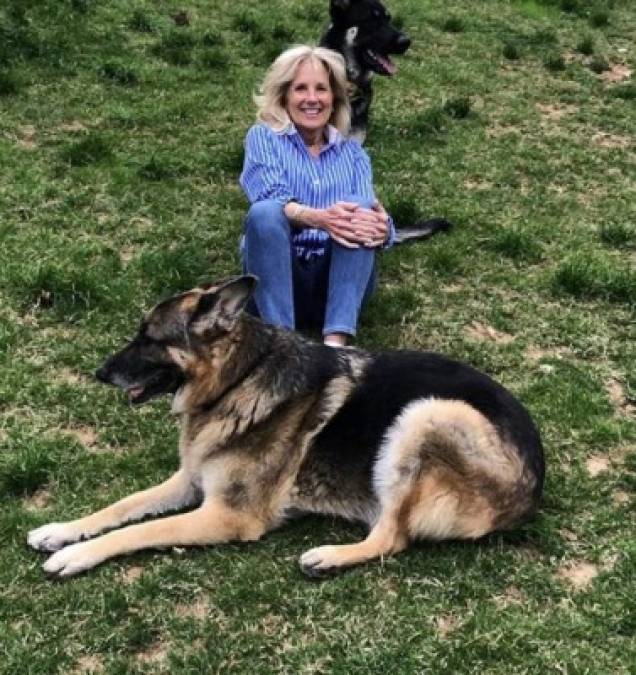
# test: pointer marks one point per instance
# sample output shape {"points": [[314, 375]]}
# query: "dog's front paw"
{"points": [[71, 560], [320, 562], [51, 537]]}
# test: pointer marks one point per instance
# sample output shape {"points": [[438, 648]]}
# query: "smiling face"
{"points": [[309, 99]]}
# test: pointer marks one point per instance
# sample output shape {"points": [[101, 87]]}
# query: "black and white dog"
{"points": [[361, 30]]}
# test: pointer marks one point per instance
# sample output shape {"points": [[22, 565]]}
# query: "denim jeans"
{"points": [[293, 293]]}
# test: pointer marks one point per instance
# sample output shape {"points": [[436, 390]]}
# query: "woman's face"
{"points": [[309, 97]]}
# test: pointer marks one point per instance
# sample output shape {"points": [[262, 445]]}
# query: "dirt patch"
{"points": [[446, 624], [555, 112], [26, 137], [621, 498], [617, 73], [537, 353], [127, 254], [484, 332], [569, 535], [88, 664], [69, 376], [38, 500], [452, 288], [197, 610], [605, 140], [132, 574], [579, 575], [141, 223], [511, 596], [156, 655], [85, 435], [477, 184], [73, 127], [618, 398], [498, 130], [597, 464]]}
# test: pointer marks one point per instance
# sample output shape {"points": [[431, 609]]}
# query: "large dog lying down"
{"points": [[413, 444]]}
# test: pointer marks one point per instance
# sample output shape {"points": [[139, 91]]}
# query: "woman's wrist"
{"points": [[301, 215]]}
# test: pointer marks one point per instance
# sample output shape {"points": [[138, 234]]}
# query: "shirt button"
{"points": [[316, 182]]}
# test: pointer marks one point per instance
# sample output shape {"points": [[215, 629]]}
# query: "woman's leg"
{"points": [[351, 281], [267, 252]]}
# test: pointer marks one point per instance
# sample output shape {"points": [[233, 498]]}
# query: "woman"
{"points": [[314, 223]]}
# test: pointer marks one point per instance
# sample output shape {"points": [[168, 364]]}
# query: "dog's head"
{"points": [[369, 33], [156, 360]]}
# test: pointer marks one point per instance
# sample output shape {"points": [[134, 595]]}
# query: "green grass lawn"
{"points": [[120, 146]]}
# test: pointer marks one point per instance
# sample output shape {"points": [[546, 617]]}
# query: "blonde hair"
{"points": [[272, 96]]}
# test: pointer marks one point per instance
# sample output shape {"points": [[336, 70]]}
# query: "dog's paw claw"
{"points": [[69, 561], [50, 538], [319, 562]]}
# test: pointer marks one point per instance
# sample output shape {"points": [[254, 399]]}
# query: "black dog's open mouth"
{"points": [[135, 393], [382, 64]]}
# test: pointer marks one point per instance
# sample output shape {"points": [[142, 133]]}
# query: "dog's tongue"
{"points": [[134, 392], [388, 65]]}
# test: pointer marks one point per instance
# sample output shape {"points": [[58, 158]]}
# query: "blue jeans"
{"points": [[294, 293]]}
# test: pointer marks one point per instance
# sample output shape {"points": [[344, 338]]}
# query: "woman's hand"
{"points": [[346, 223], [353, 226], [337, 221], [372, 225]]}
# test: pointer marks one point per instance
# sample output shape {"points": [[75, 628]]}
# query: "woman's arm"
{"points": [[376, 224], [263, 176]]}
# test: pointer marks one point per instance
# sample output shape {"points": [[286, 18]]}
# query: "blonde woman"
{"points": [[314, 223]]}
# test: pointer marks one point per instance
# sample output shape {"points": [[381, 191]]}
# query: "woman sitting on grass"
{"points": [[314, 222]]}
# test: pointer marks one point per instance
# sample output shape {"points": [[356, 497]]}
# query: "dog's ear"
{"points": [[336, 7], [219, 308]]}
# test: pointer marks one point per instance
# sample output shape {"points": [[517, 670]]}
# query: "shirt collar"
{"points": [[334, 137]]}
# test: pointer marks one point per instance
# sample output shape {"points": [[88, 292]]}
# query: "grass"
{"points": [[120, 145]]}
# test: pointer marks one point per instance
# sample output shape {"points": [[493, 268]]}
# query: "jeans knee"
{"points": [[266, 219]]}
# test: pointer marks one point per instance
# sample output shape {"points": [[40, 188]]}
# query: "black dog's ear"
{"points": [[218, 309], [338, 6]]}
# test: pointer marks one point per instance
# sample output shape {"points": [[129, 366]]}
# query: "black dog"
{"points": [[361, 30]]}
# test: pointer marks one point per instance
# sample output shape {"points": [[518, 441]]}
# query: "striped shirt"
{"points": [[279, 166]]}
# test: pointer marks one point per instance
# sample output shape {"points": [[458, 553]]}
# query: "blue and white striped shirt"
{"points": [[279, 166]]}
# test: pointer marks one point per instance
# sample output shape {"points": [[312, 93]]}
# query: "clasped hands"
{"points": [[353, 226]]}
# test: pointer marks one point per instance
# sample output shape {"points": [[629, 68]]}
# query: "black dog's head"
{"points": [[368, 34], [172, 339]]}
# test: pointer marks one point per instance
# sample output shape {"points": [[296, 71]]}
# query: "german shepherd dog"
{"points": [[361, 30], [413, 444]]}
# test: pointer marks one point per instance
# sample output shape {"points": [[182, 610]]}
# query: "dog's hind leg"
{"points": [[175, 493], [385, 538], [212, 523], [442, 472]]}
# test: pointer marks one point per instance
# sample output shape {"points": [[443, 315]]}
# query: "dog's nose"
{"points": [[403, 43], [101, 374]]}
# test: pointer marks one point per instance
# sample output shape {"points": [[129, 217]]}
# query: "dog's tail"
{"points": [[422, 229]]}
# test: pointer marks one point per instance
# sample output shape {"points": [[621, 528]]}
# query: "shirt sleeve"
{"points": [[363, 186], [263, 175]]}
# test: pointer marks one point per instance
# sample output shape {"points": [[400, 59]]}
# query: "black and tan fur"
{"points": [[413, 444]]}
